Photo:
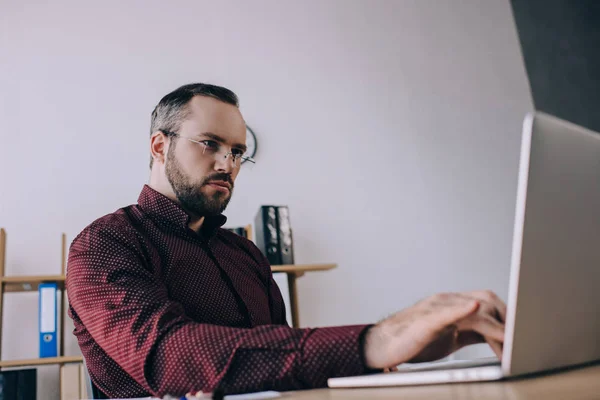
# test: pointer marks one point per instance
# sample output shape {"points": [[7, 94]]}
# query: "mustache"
{"points": [[219, 177]]}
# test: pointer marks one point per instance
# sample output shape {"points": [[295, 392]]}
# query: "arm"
{"points": [[127, 311]]}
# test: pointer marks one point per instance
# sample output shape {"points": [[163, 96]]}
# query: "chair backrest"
{"points": [[96, 393]]}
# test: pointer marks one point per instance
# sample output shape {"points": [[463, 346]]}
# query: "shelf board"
{"points": [[29, 283], [40, 361], [302, 268]]}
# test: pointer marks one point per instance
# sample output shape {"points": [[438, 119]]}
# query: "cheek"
{"points": [[194, 166], [235, 173]]}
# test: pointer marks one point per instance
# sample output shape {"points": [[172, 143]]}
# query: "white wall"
{"points": [[390, 128]]}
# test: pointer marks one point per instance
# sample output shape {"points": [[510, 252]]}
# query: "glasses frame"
{"points": [[241, 158]]}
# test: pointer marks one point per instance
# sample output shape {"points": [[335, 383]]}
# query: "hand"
{"points": [[436, 327]]}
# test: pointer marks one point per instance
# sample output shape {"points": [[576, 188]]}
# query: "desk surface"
{"points": [[582, 383]]}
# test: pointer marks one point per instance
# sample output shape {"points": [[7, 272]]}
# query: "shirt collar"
{"points": [[159, 206]]}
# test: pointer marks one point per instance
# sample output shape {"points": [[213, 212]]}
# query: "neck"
{"points": [[196, 223]]}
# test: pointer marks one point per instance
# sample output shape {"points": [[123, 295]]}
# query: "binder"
{"points": [[48, 320], [238, 231], [286, 247], [266, 227], [18, 384]]}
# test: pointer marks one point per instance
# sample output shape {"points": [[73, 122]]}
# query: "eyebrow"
{"points": [[219, 139]]}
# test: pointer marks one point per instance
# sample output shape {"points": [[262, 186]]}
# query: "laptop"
{"points": [[553, 308]]}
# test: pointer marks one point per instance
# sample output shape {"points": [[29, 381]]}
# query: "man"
{"points": [[165, 301]]}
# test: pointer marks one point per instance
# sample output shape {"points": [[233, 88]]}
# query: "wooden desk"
{"points": [[294, 272], [582, 383]]}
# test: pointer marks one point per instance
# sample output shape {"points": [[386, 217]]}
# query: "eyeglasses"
{"points": [[215, 148]]}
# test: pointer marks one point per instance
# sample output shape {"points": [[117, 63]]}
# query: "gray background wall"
{"points": [[390, 128]]}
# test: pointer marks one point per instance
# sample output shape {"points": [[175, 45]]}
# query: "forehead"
{"points": [[207, 114]]}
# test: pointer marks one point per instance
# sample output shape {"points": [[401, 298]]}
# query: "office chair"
{"points": [[96, 393]]}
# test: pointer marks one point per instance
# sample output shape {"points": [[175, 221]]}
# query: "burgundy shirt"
{"points": [[160, 309]]}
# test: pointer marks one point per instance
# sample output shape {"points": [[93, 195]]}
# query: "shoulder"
{"points": [[108, 244], [115, 227]]}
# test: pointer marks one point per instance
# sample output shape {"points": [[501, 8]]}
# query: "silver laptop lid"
{"points": [[554, 294]]}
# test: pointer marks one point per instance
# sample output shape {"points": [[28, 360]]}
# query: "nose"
{"points": [[224, 163]]}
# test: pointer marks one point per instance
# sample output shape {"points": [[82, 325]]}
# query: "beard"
{"points": [[190, 194]]}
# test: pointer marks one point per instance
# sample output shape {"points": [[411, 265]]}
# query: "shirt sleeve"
{"points": [[126, 309]]}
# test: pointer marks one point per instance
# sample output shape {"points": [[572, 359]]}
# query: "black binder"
{"points": [[238, 231], [274, 234], [286, 247], [266, 227], [18, 384]]}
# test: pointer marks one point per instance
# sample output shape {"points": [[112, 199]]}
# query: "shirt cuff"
{"points": [[333, 352], [361, 346]]}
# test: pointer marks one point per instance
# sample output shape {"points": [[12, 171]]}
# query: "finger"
{"points": [[468, 338], [493, 300], [446, 309], [490, 297], [496, 347], [485, 325]]}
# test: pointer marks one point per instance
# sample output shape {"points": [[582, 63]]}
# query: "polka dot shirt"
{"points": [[160, 309]]}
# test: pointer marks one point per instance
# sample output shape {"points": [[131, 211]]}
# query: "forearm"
{"points": [[206, 357]]}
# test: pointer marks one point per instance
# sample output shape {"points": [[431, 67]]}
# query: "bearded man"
{"points": [[165, 301]]}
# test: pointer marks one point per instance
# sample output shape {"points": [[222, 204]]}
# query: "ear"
{"points": [[159, 147]]}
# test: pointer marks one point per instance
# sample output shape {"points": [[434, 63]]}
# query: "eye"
{"points": [[237, 153], [211, 145]]}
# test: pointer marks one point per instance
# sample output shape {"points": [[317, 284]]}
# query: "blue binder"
{"points": [[48, 320]]}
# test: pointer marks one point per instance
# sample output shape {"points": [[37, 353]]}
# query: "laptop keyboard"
{"points": [[454, 364]]}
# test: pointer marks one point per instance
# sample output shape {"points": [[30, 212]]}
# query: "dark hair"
{"points": [[172, 109]]}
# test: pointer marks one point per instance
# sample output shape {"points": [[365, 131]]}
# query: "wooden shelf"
{"points": [[30, 283], [40, 361], [302, 268], [295, 271]]}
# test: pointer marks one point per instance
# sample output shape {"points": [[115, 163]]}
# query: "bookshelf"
{"points": [[295, 271], [10, 284], [300, 269], [30, 283], [40, 361]]}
